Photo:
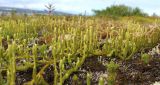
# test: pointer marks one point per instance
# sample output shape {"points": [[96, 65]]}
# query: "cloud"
{"points": [[80, 6]]}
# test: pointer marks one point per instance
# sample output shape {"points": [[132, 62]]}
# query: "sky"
{"points": [[80, 6]]}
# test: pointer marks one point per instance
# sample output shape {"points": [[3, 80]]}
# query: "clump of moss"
{"points": [[112, 70], [75, 80], [145, 58]]}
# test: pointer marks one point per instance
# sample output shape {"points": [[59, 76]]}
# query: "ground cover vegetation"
{"points": [[79, 50]]}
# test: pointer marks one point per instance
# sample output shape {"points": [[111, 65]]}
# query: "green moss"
{"points": [[145, 58]]}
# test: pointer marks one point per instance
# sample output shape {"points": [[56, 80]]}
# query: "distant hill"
{"points": [[29, 11]]}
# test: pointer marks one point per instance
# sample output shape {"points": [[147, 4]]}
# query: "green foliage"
{"points": [[145, 58], [89, 76], [61, 40], [11, 72], [101, 81], [34, 51], [112, 69], [75, 77], [1, 61], [120, 10]]}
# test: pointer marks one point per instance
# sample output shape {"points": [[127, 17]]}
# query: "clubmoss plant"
{"points": [[101, 81], [79, 62], [61, 66], [34, 51], [11, 72], [72, 38], [1, 61], [145, 58], [89, 76], [75, 80], [108, 48], [112, 70], [55, 65]]}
